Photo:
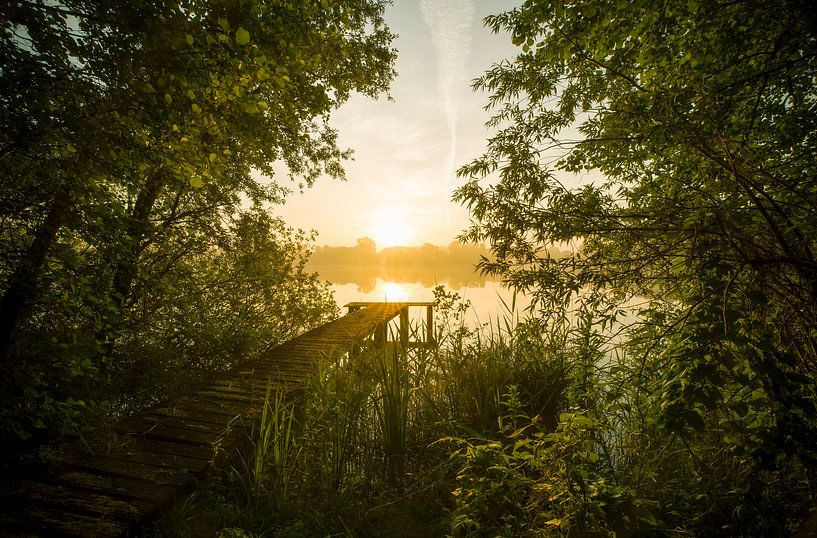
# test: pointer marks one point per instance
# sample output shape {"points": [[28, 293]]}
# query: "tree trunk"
{"points": [[127, 266], [24, 281], [138, 227]]}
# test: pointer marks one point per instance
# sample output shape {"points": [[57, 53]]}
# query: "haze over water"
{"points": [[362, 273]]}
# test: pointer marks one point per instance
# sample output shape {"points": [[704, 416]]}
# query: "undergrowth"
{"points": [[520, 427]]}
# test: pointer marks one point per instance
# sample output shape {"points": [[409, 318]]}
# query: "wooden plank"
{"points": [[308, 356], [283, 381], [294, 360], [254, 384], [184, 423], [195, 413], [164, 433], [358, 304], [115, 486], [145, 423], [75, 500], [252, 393], [278, 371], [284, 370], [219, 395], [288, 364], [229, 408], [21, 517], [133, 469], [204, 453], [163, 460]]}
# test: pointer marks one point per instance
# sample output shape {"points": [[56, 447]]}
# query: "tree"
{"points": [[245, 287], [697, 121], [132, 133]]}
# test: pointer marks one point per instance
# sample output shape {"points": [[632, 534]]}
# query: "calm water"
{"points": [[388, 283]]}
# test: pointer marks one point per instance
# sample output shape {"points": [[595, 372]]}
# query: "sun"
{"points": [[391, 231]]}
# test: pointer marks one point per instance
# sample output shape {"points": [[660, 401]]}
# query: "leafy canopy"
{"points": [[671, 146], [692, 128], [139, 142]]}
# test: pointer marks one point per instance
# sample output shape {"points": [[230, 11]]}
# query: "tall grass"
{"points": [[277, 446], [265, 475], [362, 452], [391, 404], [335, 409]]}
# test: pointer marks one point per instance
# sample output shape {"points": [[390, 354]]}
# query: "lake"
{"points": [[416, 283]]}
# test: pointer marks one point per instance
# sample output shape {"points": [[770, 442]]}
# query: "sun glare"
{"points": [[392, 231], [395, 293]]}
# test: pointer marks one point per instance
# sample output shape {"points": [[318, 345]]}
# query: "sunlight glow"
{"points": [[392, 231], [395, 293]]}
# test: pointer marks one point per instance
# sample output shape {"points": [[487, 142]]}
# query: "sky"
{"points": [[399, 186]]}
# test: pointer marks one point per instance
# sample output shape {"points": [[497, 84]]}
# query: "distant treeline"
{"points": [[365, 276], [366, 253]]}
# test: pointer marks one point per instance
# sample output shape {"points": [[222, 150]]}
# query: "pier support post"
{"points": [[404, 327], [380, 335]]}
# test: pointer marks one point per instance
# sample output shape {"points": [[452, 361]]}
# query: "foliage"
{"points": [[689, 128], [138, 142], [536, 483], [275, 448], [367, 430]]}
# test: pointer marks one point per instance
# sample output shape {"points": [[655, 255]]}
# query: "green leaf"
{"points": [[188, 38], [242, 36], [694, 419], [196, 182]]}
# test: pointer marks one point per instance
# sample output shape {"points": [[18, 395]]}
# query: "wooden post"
{"points": [[404, 327], [380, 335]]}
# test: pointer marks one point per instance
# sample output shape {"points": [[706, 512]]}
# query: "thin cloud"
{"points": [[450, 23]]}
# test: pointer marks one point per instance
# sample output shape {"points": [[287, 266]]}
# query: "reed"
{"points": [[266, 474], [391, 404], [363, 442], [335, 429]]}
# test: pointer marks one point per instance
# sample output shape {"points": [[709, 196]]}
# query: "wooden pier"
{"points": [[161, 453]]}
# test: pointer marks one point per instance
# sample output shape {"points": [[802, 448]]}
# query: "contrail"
{"points": [[450, 22]]}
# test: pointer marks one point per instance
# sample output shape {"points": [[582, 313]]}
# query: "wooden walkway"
{"points": [[161, 453]]}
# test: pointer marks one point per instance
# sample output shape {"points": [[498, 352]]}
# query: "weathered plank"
{"points": [[57, 496], [164, 460], [117, 486], [158, 432], [23, 518], [196, 413], [133, 469], [201, 453]]}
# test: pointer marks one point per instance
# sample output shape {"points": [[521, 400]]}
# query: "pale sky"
{"points": [[400, 183]]}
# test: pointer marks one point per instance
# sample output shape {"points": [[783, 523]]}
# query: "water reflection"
{"points": [[486, 300], [395, 293]]}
